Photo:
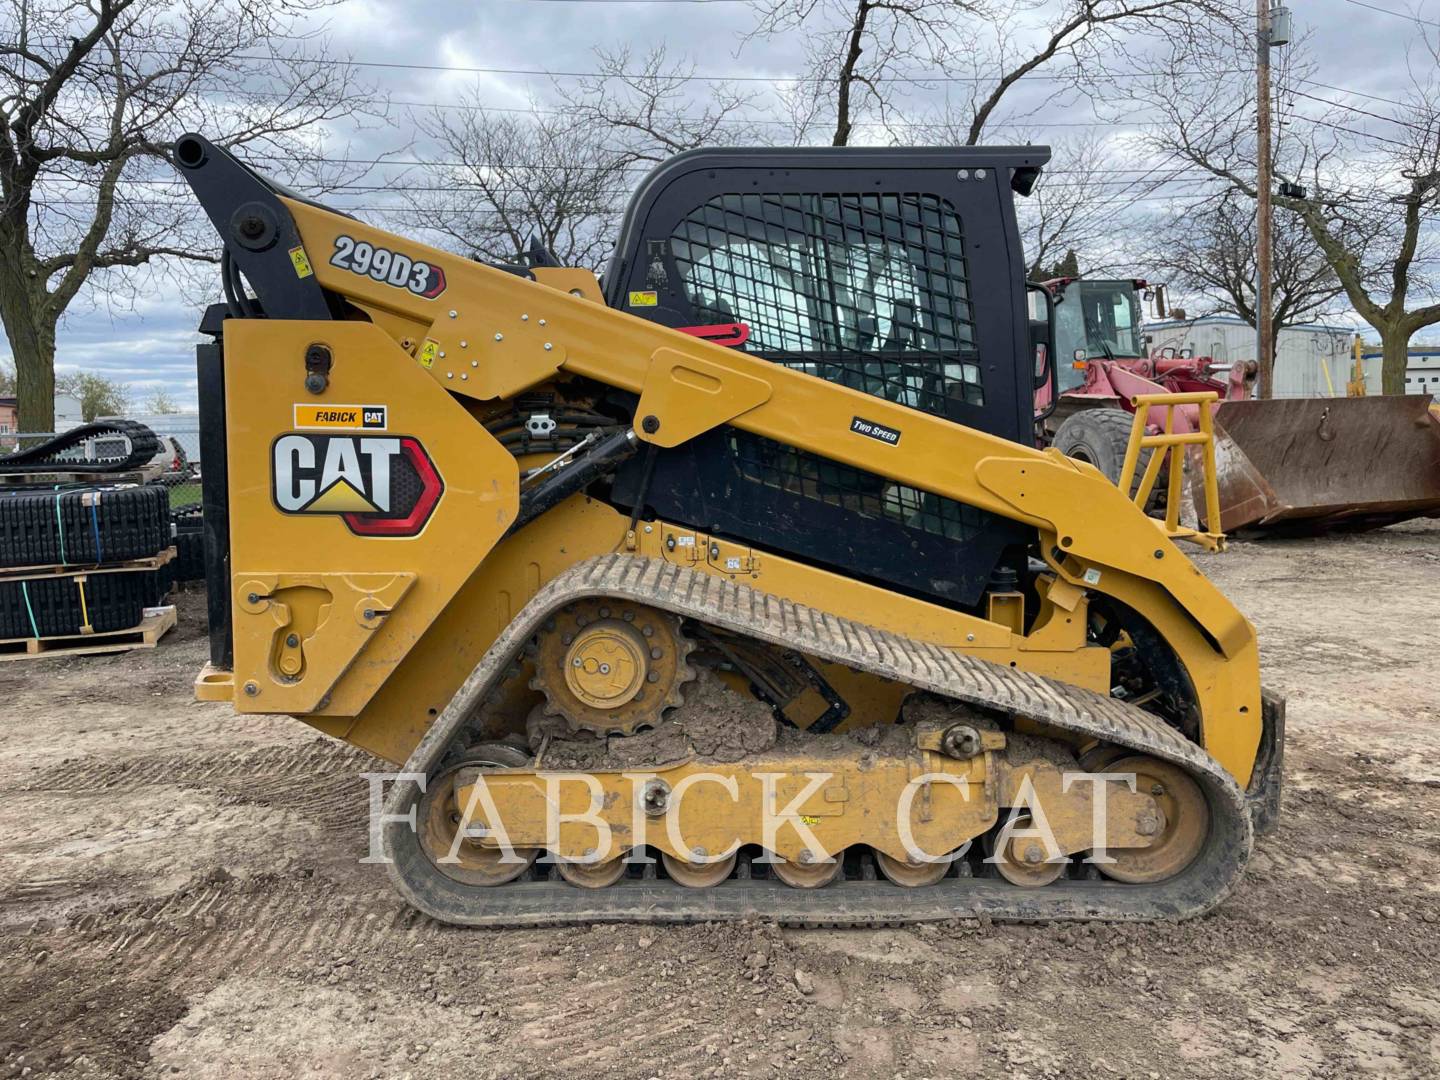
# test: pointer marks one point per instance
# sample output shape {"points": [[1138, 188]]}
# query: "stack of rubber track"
{"points": [[116, 446], [187, 526], [79, 560]]}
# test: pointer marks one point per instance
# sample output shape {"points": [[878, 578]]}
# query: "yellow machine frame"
{"points": [[385, 630]]}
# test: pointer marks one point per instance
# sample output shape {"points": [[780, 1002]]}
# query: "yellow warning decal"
{"points": [[374, 417], [300, 261], [644, 299], [428, 352]]}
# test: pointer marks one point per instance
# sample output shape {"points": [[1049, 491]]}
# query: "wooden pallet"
{"points": [[156, 623], [31, 573], [78, 475]]}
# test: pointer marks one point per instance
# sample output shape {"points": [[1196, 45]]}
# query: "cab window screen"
{"points": [[869, 291]]}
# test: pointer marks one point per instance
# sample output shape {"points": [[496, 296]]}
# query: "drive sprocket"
{"points": [[610, 666]]}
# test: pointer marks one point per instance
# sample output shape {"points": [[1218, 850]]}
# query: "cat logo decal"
{"points": [[380, 485]]}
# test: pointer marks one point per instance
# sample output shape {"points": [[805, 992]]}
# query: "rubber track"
{"points": [[189, 564], [49, 456], [82, 526], [52, 607], [1205, 883]]}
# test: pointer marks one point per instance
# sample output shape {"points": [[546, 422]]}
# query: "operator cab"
{"points": [[1095, 320], [896, 272]]}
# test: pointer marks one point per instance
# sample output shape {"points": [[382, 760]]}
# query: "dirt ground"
{"points": [[180, 894]]}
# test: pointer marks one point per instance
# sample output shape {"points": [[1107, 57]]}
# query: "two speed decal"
{"points": [[879, 432], [388, 267]]}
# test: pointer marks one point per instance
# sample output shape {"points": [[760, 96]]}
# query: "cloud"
{"points": [[152, 347]]}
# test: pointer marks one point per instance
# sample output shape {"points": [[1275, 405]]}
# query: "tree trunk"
{"points": [[32, 340], [847, 73], [35, 381], [1395, 353]]}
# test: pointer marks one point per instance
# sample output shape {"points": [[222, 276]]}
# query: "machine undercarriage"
{"points": [[630, 814]]}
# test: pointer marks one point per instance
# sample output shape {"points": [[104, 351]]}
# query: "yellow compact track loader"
{"points": [[731, 586]]}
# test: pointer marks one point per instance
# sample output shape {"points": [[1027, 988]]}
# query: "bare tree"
{"points": [[91, 94], [862, 55], [507, 178], [1068, 217], [1366, 197], [1208, 253], [854, 49], [652, 107], [160, 403]]}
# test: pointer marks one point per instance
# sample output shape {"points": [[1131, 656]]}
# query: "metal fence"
{"points": [[182, 465], [178, 471]]}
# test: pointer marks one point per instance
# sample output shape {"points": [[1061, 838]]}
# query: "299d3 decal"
{"points": [[388, 267], [380, 485]]}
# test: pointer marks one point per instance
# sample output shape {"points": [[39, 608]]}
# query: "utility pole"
{"points": [[1264, 302]]}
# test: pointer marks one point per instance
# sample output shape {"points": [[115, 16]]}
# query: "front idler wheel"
{"points": [[1182, 830], [440, 817]]}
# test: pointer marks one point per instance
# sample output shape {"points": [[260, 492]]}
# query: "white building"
{"points": [[68, 413], [1310, 361], [1422, 371]]}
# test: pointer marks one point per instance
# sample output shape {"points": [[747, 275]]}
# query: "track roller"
{"points": [[909, 874], [593, 875], [694, 875], [1022, 860], [809, 875]]}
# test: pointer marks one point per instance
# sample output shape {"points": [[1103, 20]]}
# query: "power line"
{"points": [[917, 78], [1348, 130], [1392, 11], [455, 69], [1355, 93], [1356, 109], [738, 121]]}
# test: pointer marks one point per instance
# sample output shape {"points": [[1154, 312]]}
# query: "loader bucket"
{"points": [[1310, 465]]}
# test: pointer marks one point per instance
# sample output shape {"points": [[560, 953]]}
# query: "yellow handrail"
{"points": [[1171, 443]]}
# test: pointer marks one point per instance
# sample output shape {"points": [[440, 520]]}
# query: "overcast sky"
{"points": [[1359, 49]]}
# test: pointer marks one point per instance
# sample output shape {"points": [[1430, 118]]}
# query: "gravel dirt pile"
{"points": [[181, 895]]}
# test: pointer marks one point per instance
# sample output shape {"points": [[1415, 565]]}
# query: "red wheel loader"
{"points": [[1291, 465]]}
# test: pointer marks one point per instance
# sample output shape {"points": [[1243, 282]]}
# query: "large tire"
{"points": [[1100, 436], [82, 526]]}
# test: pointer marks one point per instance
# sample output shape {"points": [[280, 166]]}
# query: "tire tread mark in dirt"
{"points": [[261, 767]]}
